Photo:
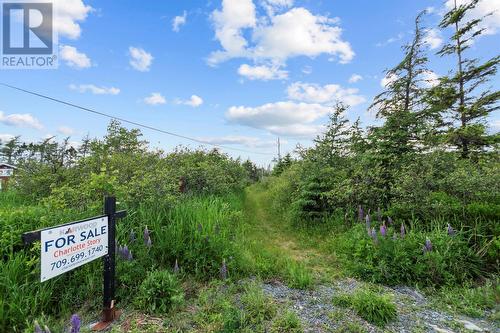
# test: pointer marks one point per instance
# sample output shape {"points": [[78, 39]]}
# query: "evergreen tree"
{"points": [[462, 93]]}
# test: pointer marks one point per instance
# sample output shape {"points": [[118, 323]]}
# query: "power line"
{"points": [[128, 121]]}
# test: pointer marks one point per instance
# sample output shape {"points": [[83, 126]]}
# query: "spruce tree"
{"points": [[462, 93]]}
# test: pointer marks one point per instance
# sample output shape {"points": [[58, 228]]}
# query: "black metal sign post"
{"points": [[110, 313]]}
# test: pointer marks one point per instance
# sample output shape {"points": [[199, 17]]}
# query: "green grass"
{"points": [[287, 322], [378, 309]]}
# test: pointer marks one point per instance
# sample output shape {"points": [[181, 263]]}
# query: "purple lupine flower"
{"points": [[379, 214], [176, 267], [146, 234], [389, 221], [428, 245], [38, 329], [374, 235], [126, 254], [403, 230], [361, 213], [75, 324], [383, 230], [132, 236], [149, 243], [223, 270], [368, 220], [451, 231]]}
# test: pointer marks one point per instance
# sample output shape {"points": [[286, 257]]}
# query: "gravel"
{"points": [[318, 314]]}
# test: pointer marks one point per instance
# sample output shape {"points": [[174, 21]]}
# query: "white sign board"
{"points": [[72, 245], [6, 172]]}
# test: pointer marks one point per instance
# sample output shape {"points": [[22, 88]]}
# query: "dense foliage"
{"points": [[431, 165]]}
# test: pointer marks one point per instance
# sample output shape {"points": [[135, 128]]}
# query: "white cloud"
{"points": [[307, 70], [263, 72], [282, 118], [330, 93], [300, 33], [74, 58], [272, 6], [391, 40], [194, 101], [140, 59], [430, 78], [155, 99], [275, 38], [433, 38], [430, 10], [248, 141], [4, 137], [229, 23], [355, 78], [388, 79], [20, 120], [83, 88], [68, 14], [179, 21], [491, 23], [65, 130]]}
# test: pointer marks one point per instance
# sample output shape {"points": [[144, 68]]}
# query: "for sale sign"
{"points": [[72, 245]]}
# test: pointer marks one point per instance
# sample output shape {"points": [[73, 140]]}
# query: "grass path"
{"points": [[275, 235]]}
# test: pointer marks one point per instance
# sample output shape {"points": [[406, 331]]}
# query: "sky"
{"points": [[238, 73]]}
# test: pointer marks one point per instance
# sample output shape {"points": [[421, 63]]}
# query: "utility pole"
{"points": [[279, 150]]}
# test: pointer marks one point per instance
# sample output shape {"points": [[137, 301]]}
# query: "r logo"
{"points": [[27, 28]]}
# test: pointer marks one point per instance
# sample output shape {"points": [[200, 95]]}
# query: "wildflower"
{"points": [[428, 245], [146, 234], [176, 267], [38, 329], [374, 236], [389, 221], [394, 236], [125, 253], [403, 230], [147, 238], [132, 236], [223, 270], [368, 221], [75, 324], [379, 214], [451, 231], [383, 230], [46, 329], [361, 213]]}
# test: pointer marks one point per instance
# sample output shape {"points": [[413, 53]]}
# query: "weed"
{"points": [[160, 292], [298, 276], [258, 306], [287, 322]]}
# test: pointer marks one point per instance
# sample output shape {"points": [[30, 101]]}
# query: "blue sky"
{"points": [[237, 72]]}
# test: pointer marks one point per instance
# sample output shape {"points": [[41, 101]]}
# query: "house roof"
{"points": [[7, 165]]}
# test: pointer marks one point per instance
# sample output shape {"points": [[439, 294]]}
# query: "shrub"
{"points": [[373, 307], [160, 292], [403, 261]]}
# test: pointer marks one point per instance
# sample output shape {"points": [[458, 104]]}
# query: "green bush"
{"points": [[160, 292], [369, 305], [402, 260]]}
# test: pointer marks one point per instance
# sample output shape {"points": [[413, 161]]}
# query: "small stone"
{"points": [[471, 326], [440, 330]]}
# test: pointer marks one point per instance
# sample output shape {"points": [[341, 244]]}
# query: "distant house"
{"points": [[6, 171]]}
